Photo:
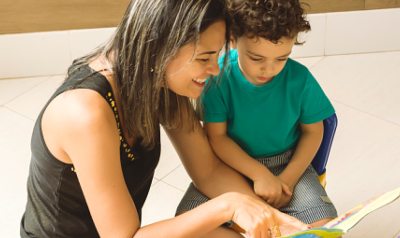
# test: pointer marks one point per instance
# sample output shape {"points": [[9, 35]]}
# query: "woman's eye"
{"points": [[204, 60], [254, 59], [283, 59]]}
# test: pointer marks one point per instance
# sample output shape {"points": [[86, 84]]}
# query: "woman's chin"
{"points": [[193, 96]]}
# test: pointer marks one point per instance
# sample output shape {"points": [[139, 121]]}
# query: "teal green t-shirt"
{"points": [[264, 120]]}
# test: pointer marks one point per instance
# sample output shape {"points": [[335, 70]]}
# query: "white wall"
{"points": [[50, 53]]}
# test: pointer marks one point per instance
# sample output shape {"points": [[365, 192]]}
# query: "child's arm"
{"points": [[266, 185], [309, 142]]}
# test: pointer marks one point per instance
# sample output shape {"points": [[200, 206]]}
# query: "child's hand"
{"points": [[285, 199], [271, 189]]}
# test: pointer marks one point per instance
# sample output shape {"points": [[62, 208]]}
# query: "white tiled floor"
{"points": [[364, 161]]}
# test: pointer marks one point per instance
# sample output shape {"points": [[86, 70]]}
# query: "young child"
{"points": [[264, 118]]}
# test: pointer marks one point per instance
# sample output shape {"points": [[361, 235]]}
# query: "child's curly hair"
{"points": [[269, 19]]}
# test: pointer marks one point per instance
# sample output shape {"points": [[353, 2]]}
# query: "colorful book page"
{"points": [[316, 233], [349, 219]]}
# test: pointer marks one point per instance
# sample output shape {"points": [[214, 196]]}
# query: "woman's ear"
{"points": [[233, 42]]}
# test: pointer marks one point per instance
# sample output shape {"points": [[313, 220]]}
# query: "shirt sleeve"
{"points": [[315, 105], [213, 105]]}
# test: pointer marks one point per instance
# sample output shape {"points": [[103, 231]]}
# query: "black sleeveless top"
{"points": [[56, 206]]}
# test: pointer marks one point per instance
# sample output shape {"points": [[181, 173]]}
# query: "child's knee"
{"points": [[223, 232], [180, 213], [321, 222]]}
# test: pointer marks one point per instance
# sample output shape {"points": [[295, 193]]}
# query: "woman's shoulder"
{"points": [[77, 115], [80, 106], [86, 96], [79, 109]]}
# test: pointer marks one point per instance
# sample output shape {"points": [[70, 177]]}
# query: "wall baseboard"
{"points": [[50, 53]]}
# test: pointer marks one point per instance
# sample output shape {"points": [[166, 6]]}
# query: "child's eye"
{"points": [[204, 60], [282, 59], [254, 59]]}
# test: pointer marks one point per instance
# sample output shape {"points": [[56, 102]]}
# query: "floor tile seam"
{"points": [[363, 53], [319, 61], [154, 183], [33, 87], [28, 77], [169, 173], [377, 117], [325, 33], [171, 186], [48, 79], [162, 180], [70, 46], [18, 113]]}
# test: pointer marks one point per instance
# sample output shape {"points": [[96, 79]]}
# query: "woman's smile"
{"points": [[199, 82]]}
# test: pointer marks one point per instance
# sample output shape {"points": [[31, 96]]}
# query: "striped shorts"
{"points": [[309, 201]]}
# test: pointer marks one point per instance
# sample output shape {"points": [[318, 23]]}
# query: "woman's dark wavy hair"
{"points": [[269, 19], [147, 38]]}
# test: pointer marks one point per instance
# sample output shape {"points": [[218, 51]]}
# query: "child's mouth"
{"points": [[265, 78]]}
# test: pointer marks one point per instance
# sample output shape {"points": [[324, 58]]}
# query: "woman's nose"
{"points": [[213, 68]]}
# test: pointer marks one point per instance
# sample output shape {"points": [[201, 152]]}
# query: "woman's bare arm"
{"points": [[209, 174], [83, 130]]}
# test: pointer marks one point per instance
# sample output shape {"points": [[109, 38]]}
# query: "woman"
{"points": [[96, 143]]}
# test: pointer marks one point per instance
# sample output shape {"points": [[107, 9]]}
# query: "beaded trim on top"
{"points": [[127, 148]]}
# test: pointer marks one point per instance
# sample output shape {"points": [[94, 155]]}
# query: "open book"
{"points": [[348, 220]]}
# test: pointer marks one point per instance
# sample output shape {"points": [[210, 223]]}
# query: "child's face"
{"points": [[260, 60]]}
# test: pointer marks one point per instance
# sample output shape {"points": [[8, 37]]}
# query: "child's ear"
{"points": [[233, 42]]}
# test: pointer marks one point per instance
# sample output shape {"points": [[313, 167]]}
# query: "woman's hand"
{"points": [[273, 190], [257, 218], [289, 225]]}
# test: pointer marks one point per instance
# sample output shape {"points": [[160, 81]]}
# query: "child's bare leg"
{"points": [[224, 232], [219, 232], [321, 222]]}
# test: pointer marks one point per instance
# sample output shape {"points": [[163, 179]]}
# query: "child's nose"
{"points": [[268, 69]]}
